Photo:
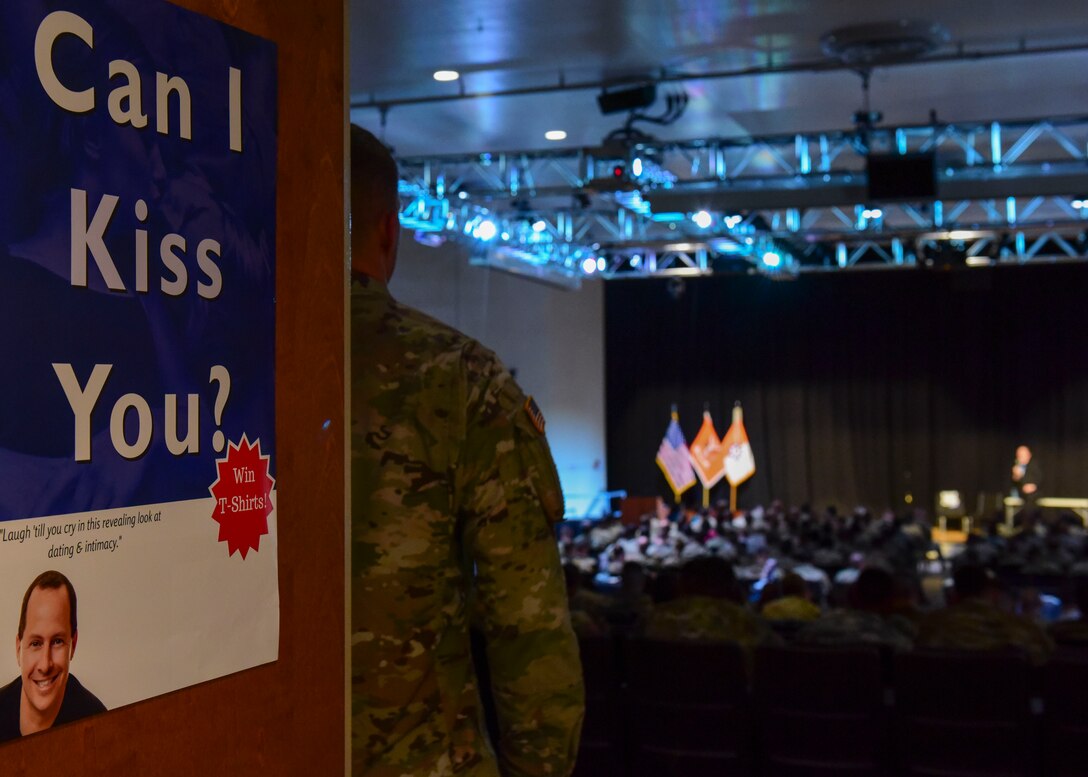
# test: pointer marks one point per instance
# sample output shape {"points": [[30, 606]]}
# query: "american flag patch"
{"points": [[534, 414]]}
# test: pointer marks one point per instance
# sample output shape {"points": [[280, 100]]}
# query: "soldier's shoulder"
{"points": [[391, 317]]}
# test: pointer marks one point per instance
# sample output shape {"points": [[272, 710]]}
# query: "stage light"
{"points": [[636, 261], [627, 98], [462, 195], [485, 230], [772, 259], [601, 264], [446, 75], [1080, 204], [702, 219], [589, 265], [732, 221], [636, 167], [618, 171], [539, 226], [872, 213], [555, 135]]}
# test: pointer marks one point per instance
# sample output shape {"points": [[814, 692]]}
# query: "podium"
{"points": [[1073, 504]]}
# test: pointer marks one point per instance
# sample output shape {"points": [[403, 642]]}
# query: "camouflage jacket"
{"points": [[453, 497], [976, 624], [856, 627], [705, 618]]}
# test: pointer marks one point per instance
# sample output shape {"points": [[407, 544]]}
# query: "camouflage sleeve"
{"points": [[508, 498]]}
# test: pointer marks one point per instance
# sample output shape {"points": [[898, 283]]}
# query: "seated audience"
{"points": [[1074, 631], [868, 618], [708, 608], [976, 621], [788, 599], [588, 609]]}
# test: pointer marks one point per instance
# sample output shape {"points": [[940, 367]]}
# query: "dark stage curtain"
{"points": [[861, 387]]}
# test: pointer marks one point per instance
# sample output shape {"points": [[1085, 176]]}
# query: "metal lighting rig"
{"points": [[1004, 192]]}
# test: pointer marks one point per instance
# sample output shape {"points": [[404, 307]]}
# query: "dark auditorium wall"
{"points": [[857, 387]]}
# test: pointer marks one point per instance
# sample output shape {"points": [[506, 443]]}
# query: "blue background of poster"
{"points": [[157, 344]]}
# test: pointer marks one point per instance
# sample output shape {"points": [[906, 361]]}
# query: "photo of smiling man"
{"points": [[45, 693]]}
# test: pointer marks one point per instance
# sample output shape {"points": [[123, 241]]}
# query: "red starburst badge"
{"points": [[243, 496]]}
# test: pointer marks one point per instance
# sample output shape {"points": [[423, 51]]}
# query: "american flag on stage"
{"points": [[674, 459]]}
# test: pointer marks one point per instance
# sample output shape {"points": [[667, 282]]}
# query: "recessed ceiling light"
{"points": [[555, 135], [446, 75]]}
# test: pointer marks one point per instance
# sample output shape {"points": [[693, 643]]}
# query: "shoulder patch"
{"points": [[534, 414]]}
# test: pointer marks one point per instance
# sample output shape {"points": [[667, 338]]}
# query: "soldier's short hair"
{"points": [[708, 576], [972, 579], [374, 179]]}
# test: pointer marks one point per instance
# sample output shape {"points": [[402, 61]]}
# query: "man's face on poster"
{"points": [[45, 649]]}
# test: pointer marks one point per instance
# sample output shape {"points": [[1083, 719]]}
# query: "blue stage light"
{"points": [[485, 230]]}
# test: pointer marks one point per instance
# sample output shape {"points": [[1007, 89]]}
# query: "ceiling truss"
{"points": [[1009, 192]]}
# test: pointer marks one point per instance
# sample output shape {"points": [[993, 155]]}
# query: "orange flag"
{"points": [[707, 453]]}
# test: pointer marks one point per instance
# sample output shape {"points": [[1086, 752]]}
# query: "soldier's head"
{"points": [[872, 591], [709, 576], [972, 581], [375, 206]]}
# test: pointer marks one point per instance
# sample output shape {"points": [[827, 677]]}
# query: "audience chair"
{"points": [[821, 711], [687, 709], [964, 714], [1065, 716], [601, 751]]}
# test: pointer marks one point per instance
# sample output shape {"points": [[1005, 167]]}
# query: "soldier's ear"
{"points": [[388, 242]]}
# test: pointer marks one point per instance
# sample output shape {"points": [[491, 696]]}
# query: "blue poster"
{"points": [[137, 344]]}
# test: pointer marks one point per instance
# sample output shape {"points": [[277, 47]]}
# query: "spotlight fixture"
{"points": [[555, 135], [485, 230], [627, 98], [702, 219], [446, 75], [772, 259]]}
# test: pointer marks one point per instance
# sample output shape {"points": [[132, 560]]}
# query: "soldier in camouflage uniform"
{"points": [[708, 609], [454, 497], [976, 622]]}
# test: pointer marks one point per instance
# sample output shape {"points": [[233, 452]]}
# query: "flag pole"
{"points": [[675, 414], [738, 417]]}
